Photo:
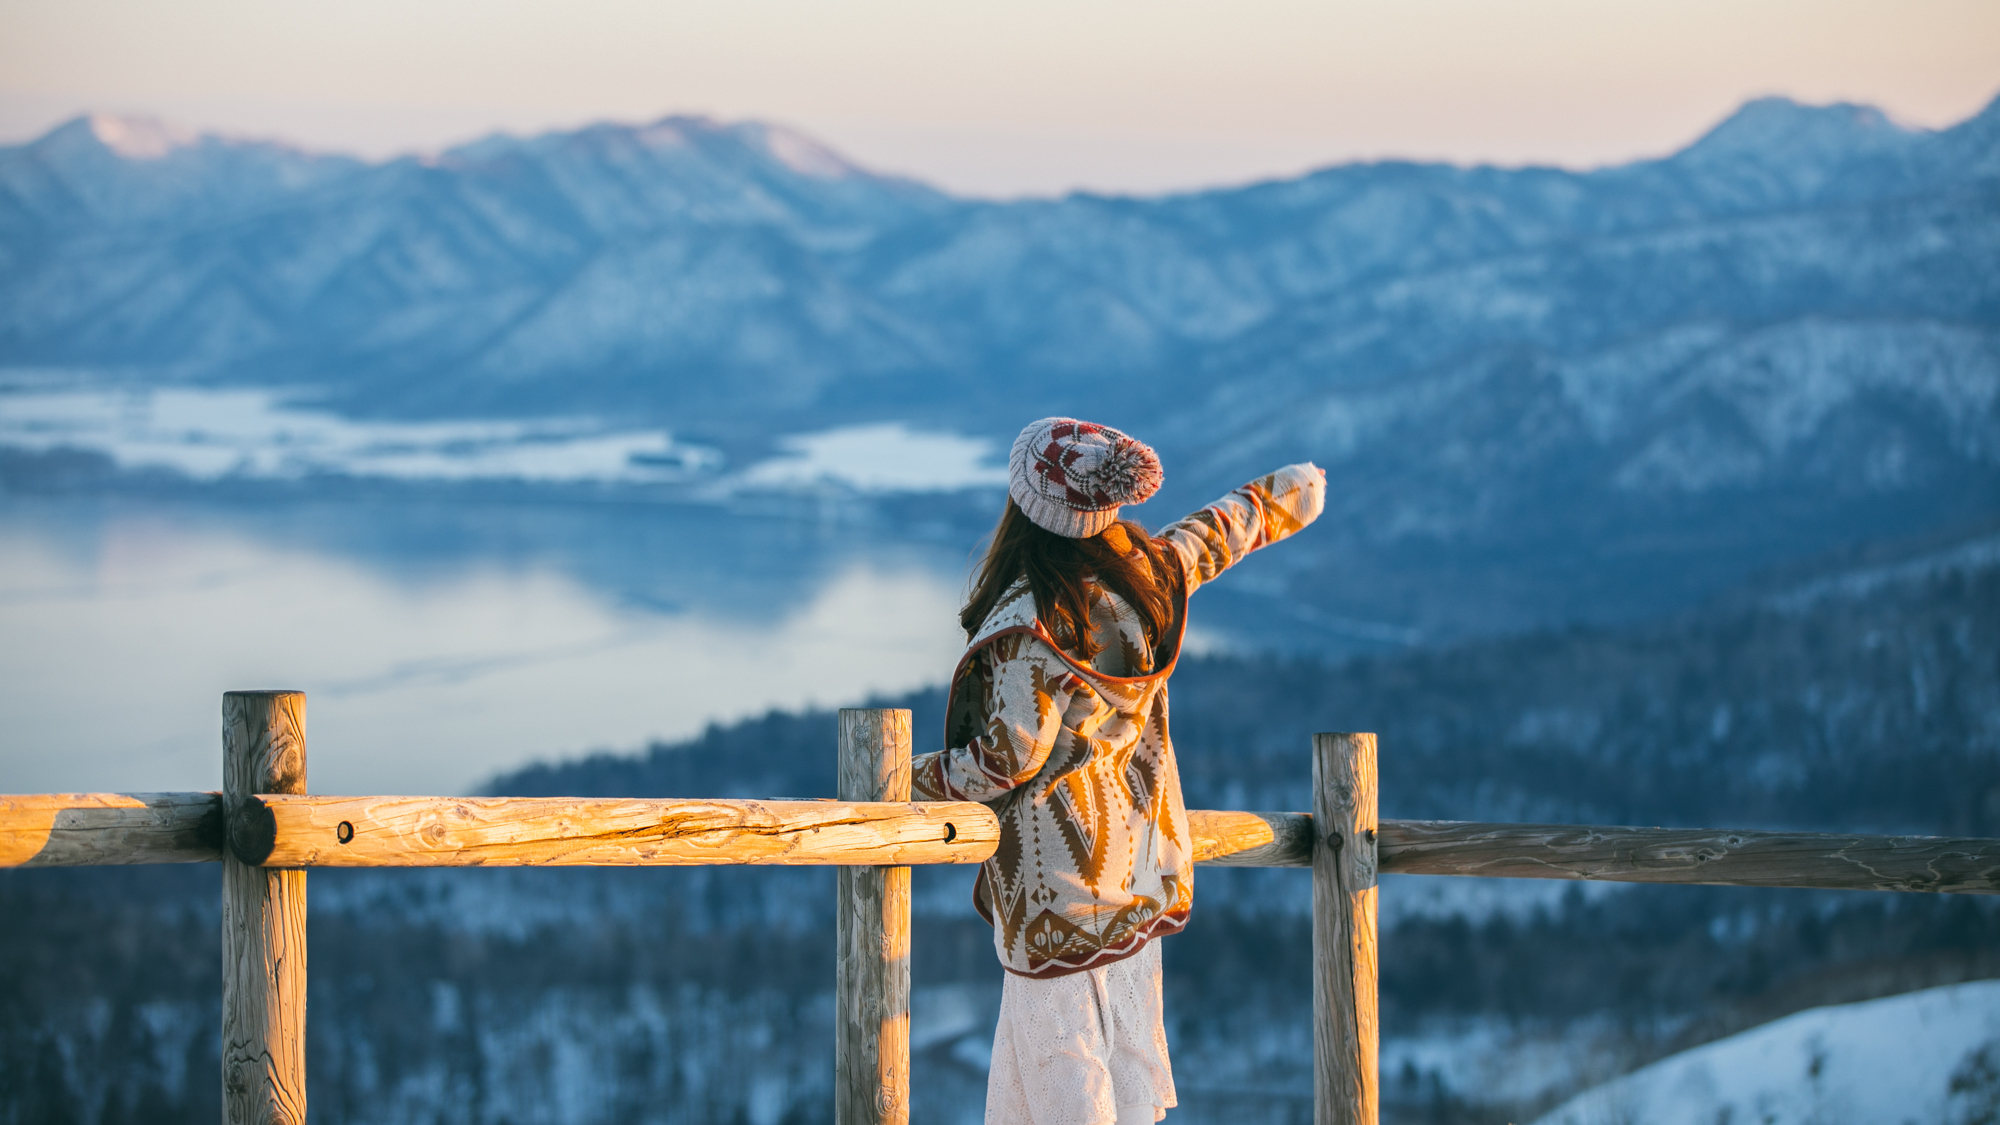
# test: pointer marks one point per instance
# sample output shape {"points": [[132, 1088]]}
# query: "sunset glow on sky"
{"points": [[1029, 96]]}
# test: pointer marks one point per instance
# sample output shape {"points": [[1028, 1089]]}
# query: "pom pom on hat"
{"points": [[1071, 477]]}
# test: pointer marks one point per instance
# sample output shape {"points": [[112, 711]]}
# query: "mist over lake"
{"points": [[439, 643]]}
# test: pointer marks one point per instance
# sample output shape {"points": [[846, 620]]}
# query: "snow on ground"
{"points": [[1495, 1061], [1411, 897], [1928, 1057]]}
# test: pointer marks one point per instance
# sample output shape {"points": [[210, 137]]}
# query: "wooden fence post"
{"points": [[263, 918], [871, 1041], [1346, 1073]]}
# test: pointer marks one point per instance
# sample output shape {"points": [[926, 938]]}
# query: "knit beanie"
{"points": [[1070, 477]]}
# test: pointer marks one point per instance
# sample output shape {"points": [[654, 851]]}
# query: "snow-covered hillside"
{"points": [[1928, 1058]]}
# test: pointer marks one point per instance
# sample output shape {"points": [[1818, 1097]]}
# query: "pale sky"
{"points": [[1005, 99]]}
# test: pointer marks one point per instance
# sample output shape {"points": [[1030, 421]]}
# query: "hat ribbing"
{"points": [[1071, 477]]}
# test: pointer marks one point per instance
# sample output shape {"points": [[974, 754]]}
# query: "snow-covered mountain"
{"points": [[1930, 1056], [1543, 393], [103, 173]]}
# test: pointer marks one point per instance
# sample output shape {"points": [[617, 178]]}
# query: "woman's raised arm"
{"points": [[1262, 512]]}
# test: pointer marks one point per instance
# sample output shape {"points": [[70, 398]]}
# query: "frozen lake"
{"points": [[438, 642], [249, 433]]}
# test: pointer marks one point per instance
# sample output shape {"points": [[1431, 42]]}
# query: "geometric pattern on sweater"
{"points": [[1075, 757]]}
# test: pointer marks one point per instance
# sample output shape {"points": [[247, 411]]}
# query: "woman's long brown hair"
{"points": [[1123, 557]]}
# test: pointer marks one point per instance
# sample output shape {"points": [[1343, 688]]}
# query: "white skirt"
{"points": [[1088, 1048]]}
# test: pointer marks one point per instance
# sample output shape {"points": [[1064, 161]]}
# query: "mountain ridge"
{"points": [[1753, 128], [1544, 394], [551, 202]]}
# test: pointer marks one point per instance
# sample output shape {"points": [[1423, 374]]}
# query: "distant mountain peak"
{"points": [[142, 138], [1782, 129], [795, 150], [672, 132], [790, 148], [802, 154], [137, 137]]}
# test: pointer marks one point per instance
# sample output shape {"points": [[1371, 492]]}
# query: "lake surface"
{"points": [[251, 433], [439, 641]]}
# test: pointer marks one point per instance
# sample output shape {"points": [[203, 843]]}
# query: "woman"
{"points": [[1057, 718]]}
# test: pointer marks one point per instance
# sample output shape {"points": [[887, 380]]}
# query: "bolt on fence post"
{"points": [[1346, 1071], [263, 919], [871, 1040]]}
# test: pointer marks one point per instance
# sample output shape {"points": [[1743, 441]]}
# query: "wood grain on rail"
{"points": [[312, 831], [1822, 860], [88, 829], [1251, 839], [79, 829]]}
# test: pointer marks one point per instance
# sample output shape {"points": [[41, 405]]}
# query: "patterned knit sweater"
{"points": [[1094, 858]]}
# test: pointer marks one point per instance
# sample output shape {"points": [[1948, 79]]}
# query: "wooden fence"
{"points": [[266, 830]]}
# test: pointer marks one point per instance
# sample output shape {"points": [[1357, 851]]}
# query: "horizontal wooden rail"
{"points": [[1823, 860], [70, 829], [86, 829], [306, 831], [1251, 839]]}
